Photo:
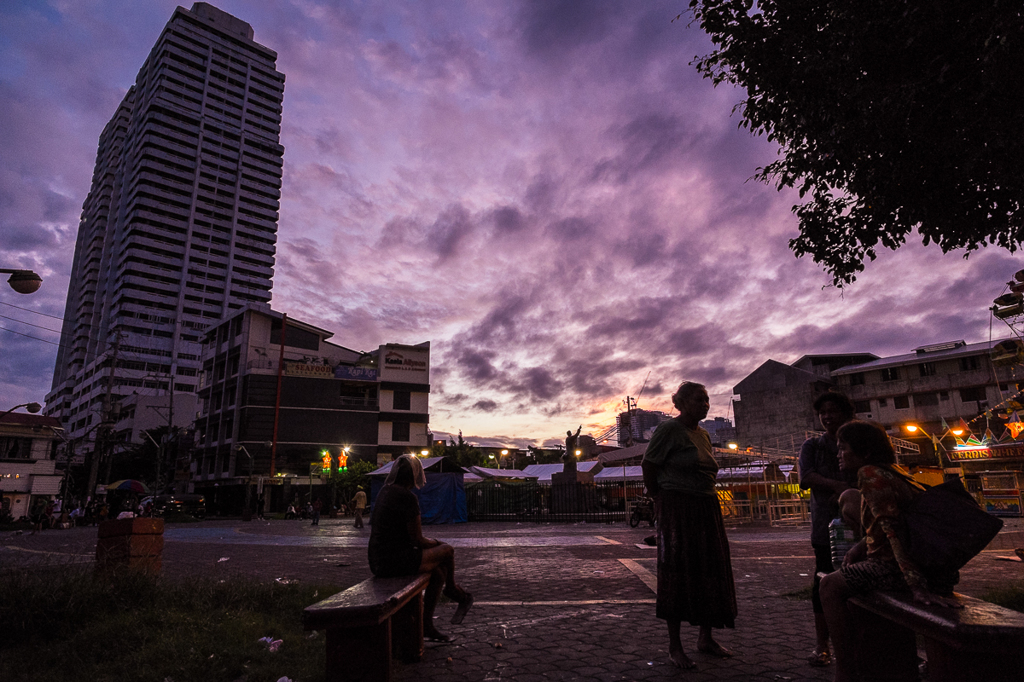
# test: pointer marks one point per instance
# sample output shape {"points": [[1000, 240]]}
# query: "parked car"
{"points": [[193, 505]]}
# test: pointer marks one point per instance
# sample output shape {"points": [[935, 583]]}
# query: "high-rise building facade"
{"points": [[180, 225]]}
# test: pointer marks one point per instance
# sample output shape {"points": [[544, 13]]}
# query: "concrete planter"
{"points": [[135, 544]]}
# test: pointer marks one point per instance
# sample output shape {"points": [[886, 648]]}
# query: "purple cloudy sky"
{"points": [[546, 191]]}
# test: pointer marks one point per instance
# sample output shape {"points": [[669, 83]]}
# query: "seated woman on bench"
{"points": [[879, 561], [398, 547]]}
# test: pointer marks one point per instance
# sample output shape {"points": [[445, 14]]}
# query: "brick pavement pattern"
{"points": [[553, 601]]}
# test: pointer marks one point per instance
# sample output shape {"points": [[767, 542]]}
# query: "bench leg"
{"points": [[359, 654], [946, 664], [886, 651], [407, 630]]}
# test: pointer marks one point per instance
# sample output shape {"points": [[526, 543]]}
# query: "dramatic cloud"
{"points": [[546, 191]]}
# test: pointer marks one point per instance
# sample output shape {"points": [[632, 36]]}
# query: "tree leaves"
{"points": [[891, 117]]}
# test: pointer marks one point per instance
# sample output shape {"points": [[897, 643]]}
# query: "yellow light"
{"points": [[424, 453], [733, 446], [956, 432], [579, 452], [911, 427], [504, 452]]}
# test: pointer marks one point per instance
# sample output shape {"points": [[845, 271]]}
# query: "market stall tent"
{"points": [[442, 499]]}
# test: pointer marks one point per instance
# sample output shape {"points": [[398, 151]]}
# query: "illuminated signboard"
{"points": [[997, 452], [302, 369]]}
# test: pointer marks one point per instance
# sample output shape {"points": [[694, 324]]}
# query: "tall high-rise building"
{"points": [[180, 225]]}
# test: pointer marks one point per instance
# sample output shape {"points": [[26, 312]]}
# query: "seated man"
{"points": [[397, 546]]}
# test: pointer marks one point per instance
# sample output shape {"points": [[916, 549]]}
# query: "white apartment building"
{"points": [[180, 225]]}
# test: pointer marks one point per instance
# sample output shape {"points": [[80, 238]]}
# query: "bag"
{"points": [[944, 528]]}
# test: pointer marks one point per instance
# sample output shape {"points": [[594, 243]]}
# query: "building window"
{"points": [[901, 402], [890, 374], [403, 400], [926, 399], [862, 407], [969, 363], [15, 448], [927, 369], [883, 402], [857, 379], [400, 432], [943, 395], [971, 394]]}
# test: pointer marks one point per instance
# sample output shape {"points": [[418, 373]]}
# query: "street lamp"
{"points": [[29, 407], [504, 453], [732, 446], [936, 442], [23, 281]]}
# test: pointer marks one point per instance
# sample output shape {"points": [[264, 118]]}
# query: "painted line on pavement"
{"points": [[608, 540], [588, 602], [639, 571]]}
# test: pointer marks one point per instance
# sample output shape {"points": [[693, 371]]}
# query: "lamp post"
{"points": [[936, 442], [29, 407], [504, 454], [23, 281]]}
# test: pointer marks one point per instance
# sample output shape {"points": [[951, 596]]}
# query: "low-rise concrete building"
{"points": [[276, 397], [28, 476], [931, 384]]}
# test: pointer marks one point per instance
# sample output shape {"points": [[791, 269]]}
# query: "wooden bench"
{"points": [[981, 641], [369, 622]]}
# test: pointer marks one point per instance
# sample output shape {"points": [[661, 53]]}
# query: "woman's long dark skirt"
{"points": [[695, 582]]}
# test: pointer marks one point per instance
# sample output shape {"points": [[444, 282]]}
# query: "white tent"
{"points": [[543, 471], [481, 473]]}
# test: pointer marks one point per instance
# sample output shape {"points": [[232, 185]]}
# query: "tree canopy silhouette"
{"points": [[891, 116]]}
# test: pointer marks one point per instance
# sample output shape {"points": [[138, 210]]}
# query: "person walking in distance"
{"points": [[359, 505], [316, 512]]}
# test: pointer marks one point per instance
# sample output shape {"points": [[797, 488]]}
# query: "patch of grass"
{"points": [[1009, 596], [65, 625]]}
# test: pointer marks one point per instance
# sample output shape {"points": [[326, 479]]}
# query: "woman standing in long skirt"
{"points": [[695, 581]]}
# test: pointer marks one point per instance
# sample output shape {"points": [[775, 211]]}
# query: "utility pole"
{"points": [[99, 444], [162, 455], [277, 404]]}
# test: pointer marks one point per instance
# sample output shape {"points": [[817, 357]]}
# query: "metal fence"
{"points": [[528, 501], [608, 501]]}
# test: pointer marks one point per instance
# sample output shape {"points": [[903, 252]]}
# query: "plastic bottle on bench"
{"points": [[841, 538]]}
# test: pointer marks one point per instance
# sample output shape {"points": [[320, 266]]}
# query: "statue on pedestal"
{"points": [[569, 458]]}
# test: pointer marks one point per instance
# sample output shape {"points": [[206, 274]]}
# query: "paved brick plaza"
{"points": [[553, 601]]}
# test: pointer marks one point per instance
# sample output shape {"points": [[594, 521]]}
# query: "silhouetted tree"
{"points": [[892, 116]]}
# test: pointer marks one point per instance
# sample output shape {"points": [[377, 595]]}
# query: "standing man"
{"points": [[316, 512], [359, 503], [819, 471]]}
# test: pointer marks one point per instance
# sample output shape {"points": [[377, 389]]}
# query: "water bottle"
{"points": [[841, 538]]}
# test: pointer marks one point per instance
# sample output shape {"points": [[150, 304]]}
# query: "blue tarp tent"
{"points": [[442, 499]]}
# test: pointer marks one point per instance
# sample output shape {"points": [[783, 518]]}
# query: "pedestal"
{"points": [[135, 544]]}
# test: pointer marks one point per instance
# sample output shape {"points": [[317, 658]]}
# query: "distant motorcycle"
{"points": [[643, 510]]}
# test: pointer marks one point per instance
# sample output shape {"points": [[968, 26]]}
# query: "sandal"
{"points": [[437, 636], [819, 659]]}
